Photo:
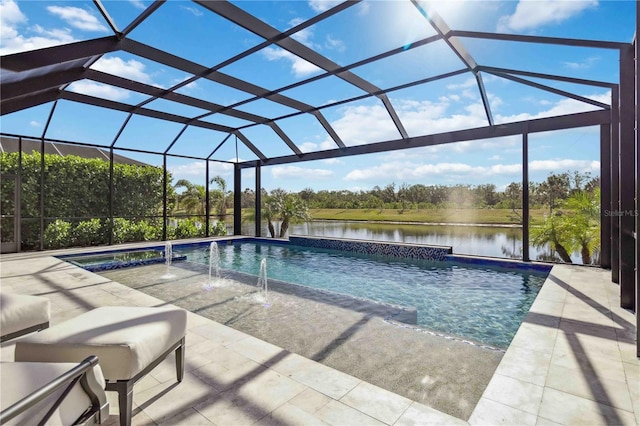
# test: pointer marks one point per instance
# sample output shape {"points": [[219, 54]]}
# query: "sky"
{"points": [[362, 30]]}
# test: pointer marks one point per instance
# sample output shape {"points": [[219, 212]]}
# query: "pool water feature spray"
{"points": [[214, 267], [168, 255], [262, 284]]}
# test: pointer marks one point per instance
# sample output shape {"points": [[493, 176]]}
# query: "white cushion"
{"points": [[125, 339], [21, 311], [20, 379]]}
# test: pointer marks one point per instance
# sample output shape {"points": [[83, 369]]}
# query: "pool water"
{"points": [[477, 303]]}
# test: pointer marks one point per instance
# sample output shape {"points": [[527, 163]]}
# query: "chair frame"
{"points": [[83, 373], [125, 387], [24, 331]]}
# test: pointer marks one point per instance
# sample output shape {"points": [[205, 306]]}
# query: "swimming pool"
{"points": [[480, 303], [485, 303]]}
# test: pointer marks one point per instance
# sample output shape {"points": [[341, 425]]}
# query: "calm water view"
{"points": [[502, 242]]}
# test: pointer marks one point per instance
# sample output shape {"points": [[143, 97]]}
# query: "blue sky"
{"points": [[368, 28]]}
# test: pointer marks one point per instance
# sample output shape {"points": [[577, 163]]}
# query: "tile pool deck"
{"points": [[572, 362]]}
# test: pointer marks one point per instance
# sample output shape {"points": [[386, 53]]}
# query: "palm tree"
{"points": [[292, 210], [575, 227], [584, 219], [288, 208], [220, 196], [192, 199], [555, 233]]}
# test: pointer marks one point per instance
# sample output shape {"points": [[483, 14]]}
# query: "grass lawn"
{"points": [[477, 216]]}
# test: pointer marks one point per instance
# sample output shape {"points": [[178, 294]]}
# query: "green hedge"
{"points": [[76, 200]]}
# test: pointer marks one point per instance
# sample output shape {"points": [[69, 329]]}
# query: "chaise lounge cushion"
{"points": [[125, 339], [20, 379], [20, 311]]}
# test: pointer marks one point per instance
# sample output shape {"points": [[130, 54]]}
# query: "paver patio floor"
{"points": [[573, 361]]}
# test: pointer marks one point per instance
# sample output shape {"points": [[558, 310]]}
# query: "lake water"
{"points": [[502, 242]]}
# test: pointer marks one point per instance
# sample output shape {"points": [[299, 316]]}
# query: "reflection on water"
{"points": [[474, 240]]}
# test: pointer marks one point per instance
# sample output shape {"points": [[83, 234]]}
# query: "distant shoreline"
{"points": [[392, 222]]}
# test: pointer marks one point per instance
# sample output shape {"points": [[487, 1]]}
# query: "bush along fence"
{"points": [[77, 206]]}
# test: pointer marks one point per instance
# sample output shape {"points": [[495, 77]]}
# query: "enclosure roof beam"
{"points": [[566, 79], [38, 58], [251, 146], [119, 106], [157, 92], [144, 15], [27, 86], [107, 17], [458, 48], [614, 45], [173, 61], [28, 101], [551, 90], [583, 119], [249, 22], [285, 138]]}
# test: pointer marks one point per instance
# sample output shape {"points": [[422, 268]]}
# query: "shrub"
{"points": [[57, 235], [187, 228], [217, 229], [89, 233]]}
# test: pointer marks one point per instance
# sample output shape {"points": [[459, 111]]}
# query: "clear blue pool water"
{"points": [[478, 303]]}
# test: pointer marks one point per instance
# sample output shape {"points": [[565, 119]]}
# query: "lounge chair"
{"points": [[130, 341], [22, 314], [35, 393]]}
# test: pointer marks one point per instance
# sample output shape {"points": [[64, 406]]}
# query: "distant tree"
{"points": [[219, 197], [192, 199], [556, 188]]}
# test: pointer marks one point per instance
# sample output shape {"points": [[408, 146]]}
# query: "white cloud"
{"points": [[78, 18], [10, 15], [468, 83], [300, 172], [131, 69], [565, 164], [99, 90], [322, 5], [299, 66], [13, 40], [196, 171], [193, 10], [562, 107], [34, 123], [138, 4], [531, 14], [334, 44], [308, 147], [586, 64], [411, 171]]}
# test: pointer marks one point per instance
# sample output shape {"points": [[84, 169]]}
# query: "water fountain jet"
{"points": [[214, 267], [168, 255], [262, 284]]}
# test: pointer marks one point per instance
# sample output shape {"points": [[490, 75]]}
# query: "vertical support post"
{"points": [[19, 202], [627, 178], [637, 179], [42, 168], [605, 196], [525, 193], [164, 197], [258, 206], [112, 195], [237, 199], [207, 198], [42, 194], [615, 185]]}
